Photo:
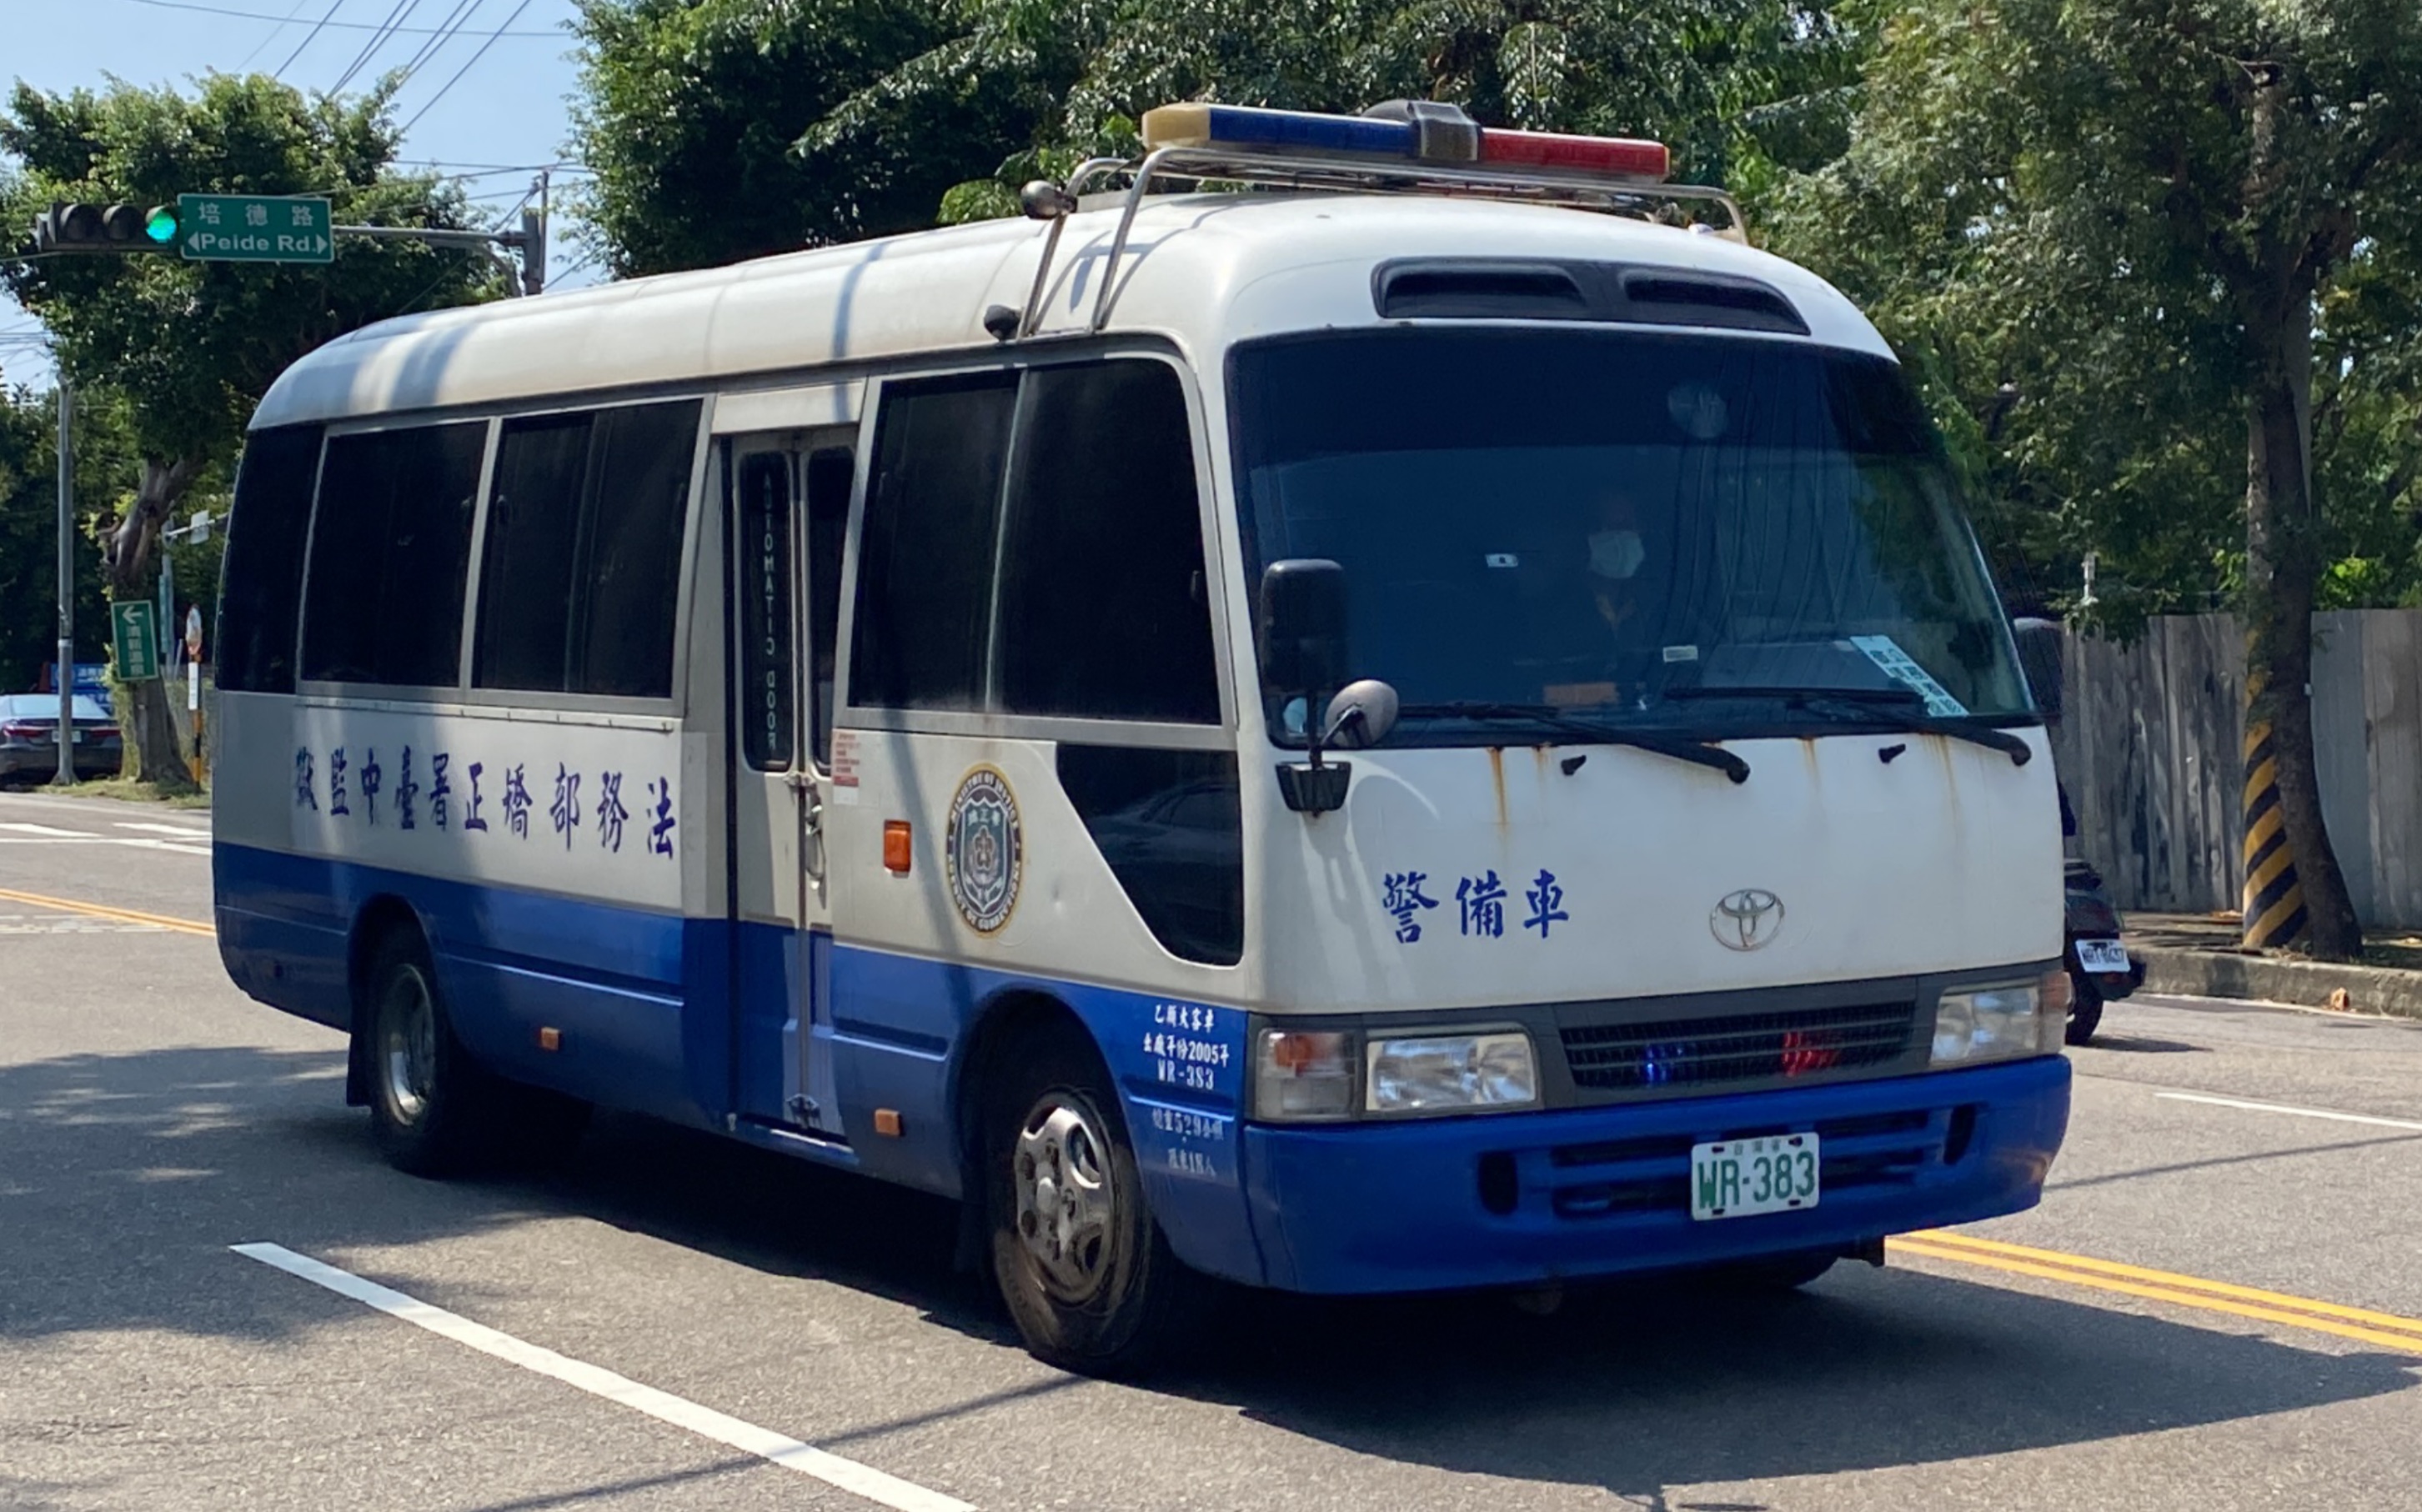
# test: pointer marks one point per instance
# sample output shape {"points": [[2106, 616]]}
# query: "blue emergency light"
{"points": [[1413, 131]]}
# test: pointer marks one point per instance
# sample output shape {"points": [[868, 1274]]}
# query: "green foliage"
{"points": [[2077, 218], [1735, 86], [723, 129], [691, 110], [29, 532], [193, 346]]}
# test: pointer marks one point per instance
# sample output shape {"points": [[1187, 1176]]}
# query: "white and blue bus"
{"points": [[1415, 722]]}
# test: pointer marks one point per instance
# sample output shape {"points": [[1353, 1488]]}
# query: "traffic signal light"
{"points": [[106, 229]]}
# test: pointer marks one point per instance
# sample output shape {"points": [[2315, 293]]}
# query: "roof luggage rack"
{"points": [[1418, 147]]}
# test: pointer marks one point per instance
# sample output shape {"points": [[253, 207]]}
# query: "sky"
{"points": [[491, 116]]}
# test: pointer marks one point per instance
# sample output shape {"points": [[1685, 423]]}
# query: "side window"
{"points": [[1104, 612], [581, 580], [261, 590], [830, 473], [390, 545], [767, 680], [925, 552]]}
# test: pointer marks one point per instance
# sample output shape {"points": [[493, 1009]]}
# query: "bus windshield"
{"points": [[1714, 535]]}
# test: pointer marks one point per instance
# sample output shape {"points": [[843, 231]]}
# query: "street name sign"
{"points": [[135, 631], [253, 228]]}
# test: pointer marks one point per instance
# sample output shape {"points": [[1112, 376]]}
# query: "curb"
{"points": [[2302, 983]]}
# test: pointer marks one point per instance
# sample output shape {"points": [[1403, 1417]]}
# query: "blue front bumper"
{"points": [[1508, 1199]]}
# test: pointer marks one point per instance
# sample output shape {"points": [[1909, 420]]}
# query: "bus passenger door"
{"points": [[789, 495]]}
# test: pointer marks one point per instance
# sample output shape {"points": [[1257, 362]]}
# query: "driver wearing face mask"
{"points": [[1616, 554]]}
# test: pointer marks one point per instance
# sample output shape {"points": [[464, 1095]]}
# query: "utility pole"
{"points": [[66, 776]]}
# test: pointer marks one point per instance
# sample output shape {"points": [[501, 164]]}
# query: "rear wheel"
{"points": [[2085, 1008], [432, 1109], [1088, 1278]]}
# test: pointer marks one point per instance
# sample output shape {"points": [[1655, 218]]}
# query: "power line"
{"points": [[403, 11], [338, 25], [309, 38], [271, 36], [465, 68], [447, 29]]}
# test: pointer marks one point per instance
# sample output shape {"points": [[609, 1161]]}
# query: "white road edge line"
{"points": [[183, 832], [848, 1474], [2300, 1112]]}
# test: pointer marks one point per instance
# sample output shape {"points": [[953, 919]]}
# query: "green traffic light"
{"points": [[160, 225]]}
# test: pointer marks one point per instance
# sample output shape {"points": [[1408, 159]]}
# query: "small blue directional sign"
{"points": [[253, 228]]}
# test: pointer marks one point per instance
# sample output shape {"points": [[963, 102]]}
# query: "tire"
{"points": [[434, 1111], [1772, 1272], [2085, 1008], [1085, 1272]]}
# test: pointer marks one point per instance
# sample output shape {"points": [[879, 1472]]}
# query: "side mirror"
{"points": [[1361, 715], [2040, 642], [1303, 626]]}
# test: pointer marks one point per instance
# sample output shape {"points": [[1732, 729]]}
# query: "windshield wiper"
{"points": [[1901, 708], [1679, 747]]}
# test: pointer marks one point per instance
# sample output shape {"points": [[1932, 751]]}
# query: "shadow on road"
{"points": [[123, 1178]]}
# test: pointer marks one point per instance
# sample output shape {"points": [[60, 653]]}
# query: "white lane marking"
{"points": [[183, 832], [46, 830], [848, 1474], [139, 842], [2300, 1112]]}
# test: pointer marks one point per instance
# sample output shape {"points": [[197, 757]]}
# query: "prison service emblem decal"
{"points": [[984, 851]]}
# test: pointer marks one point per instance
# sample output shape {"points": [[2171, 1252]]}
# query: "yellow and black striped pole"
{"points": [[2274, 901]]}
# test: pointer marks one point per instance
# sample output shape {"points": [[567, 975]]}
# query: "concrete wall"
{"points": [[2151, 748]]}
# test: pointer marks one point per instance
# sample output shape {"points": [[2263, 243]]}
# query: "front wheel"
{"points": [[1087, 1276], [2085, 1008]]}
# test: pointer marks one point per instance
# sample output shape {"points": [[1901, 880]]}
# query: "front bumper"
{"points": [[1518, 1198]]}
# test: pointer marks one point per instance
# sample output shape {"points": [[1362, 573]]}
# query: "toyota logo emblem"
{"points": [[1746, 920]]}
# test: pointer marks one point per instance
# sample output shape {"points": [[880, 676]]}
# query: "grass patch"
{"points": [[130, 790]]}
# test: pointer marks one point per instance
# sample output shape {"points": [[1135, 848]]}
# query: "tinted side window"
{"points": [[581, 584], [261, 590], [925, 552], [830, 473], [767, 680], [1103, 603], [1170, 825], [390, 543]]}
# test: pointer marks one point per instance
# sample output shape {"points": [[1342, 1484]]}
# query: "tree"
{"points": [[723, 129], [690, 114], [192, 346], [1734, 86], [2134, 214], [29, 535]]}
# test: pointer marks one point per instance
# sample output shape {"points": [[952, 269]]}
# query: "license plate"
{"points": [[2102, 954], [1743, 1177], [75, 737]]}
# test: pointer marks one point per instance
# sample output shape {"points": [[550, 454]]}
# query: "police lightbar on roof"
{"points": [[1414, 131]]}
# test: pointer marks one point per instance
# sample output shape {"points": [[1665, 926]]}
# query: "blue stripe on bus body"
{"points": [[646, 1003], [647, 1006]]}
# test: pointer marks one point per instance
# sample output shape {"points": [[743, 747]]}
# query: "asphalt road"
{"points": [[151, 1117]]}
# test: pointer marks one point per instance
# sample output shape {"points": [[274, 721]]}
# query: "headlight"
{"points": [[2002, 1023], [1447, 1071], [1302, 1075]]}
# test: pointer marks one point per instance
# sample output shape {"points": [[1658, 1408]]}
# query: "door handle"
{"points": [[812, 829]]}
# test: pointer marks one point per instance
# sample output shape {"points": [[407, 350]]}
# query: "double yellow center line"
{"points": [[2384, 1329], [100, 911]]}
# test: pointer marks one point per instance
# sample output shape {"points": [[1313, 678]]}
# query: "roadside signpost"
{"points": [[254, 228], [135, 633]]}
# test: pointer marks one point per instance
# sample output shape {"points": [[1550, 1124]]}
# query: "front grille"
{"points": [[1756, 1047]]}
